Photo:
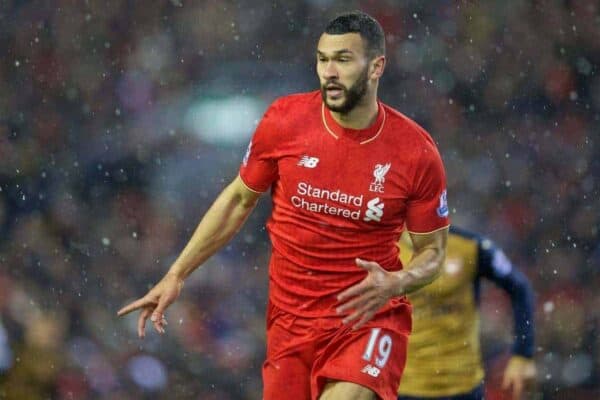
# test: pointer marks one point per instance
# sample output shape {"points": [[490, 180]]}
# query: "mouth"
{"points": [[334, 91]]}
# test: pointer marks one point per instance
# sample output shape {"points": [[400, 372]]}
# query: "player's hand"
{"points": [[367, 297], [154, 303], [519, 374]]}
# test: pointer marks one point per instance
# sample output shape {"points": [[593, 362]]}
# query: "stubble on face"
{"points": [[352, 95]]}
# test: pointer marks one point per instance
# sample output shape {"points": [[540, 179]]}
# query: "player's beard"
{"points": [[352, 95]]}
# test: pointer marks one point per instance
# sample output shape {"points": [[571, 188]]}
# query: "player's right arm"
{"points": [[224, 218], [220, 223]]}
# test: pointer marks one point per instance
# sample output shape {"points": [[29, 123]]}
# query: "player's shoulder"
{"points": [[286, 114], [298, 102], [416, 143], [406, 126]]}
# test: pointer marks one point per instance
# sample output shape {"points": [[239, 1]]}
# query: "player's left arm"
{"points": [[520, 371], [427, 221], [363, 300], [429, 252]]}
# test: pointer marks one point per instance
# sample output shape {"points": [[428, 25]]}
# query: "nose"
{"points": [[330, 70]]}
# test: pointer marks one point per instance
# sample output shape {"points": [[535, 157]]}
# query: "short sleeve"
{"points": [[259, 165], [427, 209]]}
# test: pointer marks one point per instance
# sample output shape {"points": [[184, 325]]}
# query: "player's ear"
{"points": [[377, 65]]}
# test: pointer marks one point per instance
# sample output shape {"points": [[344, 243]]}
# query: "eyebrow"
{"points": [[337, 52]]}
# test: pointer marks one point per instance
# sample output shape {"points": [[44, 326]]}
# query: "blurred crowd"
{"points": [[101, 182]]}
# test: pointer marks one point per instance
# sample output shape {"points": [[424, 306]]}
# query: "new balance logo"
{"points": [[371, 370], [308, 162], [374, 211]]}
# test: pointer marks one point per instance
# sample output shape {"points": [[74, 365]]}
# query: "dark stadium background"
{"points": [[121, 120]]}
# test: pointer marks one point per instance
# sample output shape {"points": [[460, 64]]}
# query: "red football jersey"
{"points": [[339, 194]]}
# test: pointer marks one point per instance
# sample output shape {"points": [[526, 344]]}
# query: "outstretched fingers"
{"points": [[366, 317], [354, 291], [136, 305], [158, 315], [353, 303], [159, 321], [142, 321], [148, 309], [363, 313]]}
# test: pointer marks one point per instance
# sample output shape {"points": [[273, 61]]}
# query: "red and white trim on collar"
{"points": [[363, 136]]}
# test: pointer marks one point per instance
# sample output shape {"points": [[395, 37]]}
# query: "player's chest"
{"points": [[369, 179]]}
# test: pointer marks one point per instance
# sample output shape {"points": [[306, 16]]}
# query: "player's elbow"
{"points": [[521, 285], [244, 202], [241, 195]]}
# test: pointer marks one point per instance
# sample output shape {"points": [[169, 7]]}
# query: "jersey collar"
{"points": [[362, 136]]}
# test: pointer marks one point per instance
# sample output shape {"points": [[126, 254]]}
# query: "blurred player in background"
{"points": [[346, 173], [444, 355]]}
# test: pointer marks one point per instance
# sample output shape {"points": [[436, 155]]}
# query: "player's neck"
{"points": [[361, 116]]}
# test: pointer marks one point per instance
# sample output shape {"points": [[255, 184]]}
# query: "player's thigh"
{"points": [[337, 390], [287, 377], [372, 356], [290, 351]]}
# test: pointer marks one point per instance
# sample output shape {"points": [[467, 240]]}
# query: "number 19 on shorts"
{"points": [[380, 345]]}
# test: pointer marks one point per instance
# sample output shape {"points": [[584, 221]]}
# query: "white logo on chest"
{"points": [[308, 162], [374, 210], [379, 174]]}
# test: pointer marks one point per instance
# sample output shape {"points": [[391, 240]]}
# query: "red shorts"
{"points": [[303, 354]]}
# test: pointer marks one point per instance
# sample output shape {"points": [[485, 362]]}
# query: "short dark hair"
{"points": [[365, 25]]}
